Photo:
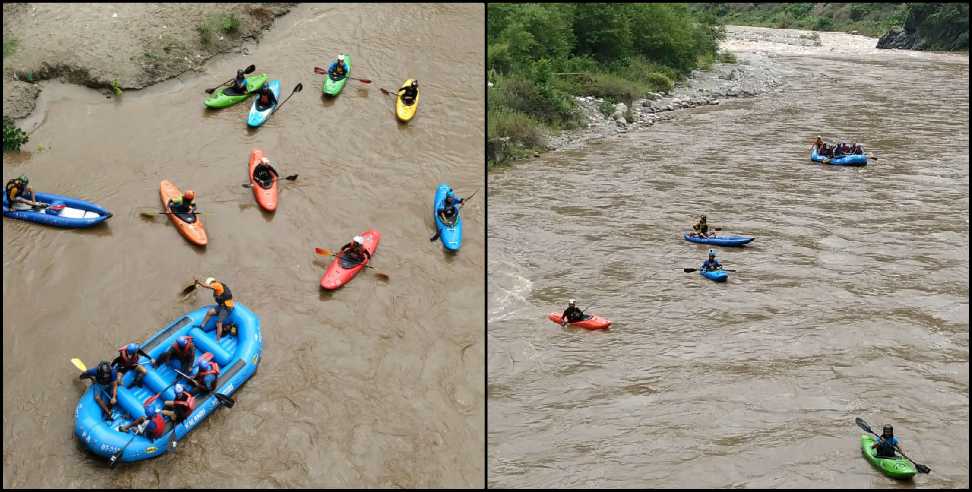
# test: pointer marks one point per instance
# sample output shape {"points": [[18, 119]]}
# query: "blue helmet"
{"points": [[712, 252], [150, 411], [184, 341], [132, 348], [178, 389]]}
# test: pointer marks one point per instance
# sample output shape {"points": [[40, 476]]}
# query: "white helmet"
{"points": [[358, 239], [264, 160], [341, 58], [178, 388], [572, 302], [209, 281]]}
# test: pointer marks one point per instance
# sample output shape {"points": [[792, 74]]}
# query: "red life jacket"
{"points": [[126, 360], [211, 368], [186, 353], [188, 402], [159, 422]]}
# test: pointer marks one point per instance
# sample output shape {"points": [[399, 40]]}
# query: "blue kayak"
{"points": [[260, 114], [449, 234], [76, 213], [727, 240], [237, 355], [844, 160], [714, 275]]}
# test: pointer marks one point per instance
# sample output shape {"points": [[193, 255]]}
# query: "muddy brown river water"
{"points": [[852, 301], [378, 384]]}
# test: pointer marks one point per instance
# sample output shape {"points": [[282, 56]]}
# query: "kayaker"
{"points": [[155, 427], [338, 70], [819, 143], [355, 252], [409, 93], [184, 349], [127, 360], [450, 207], [19, 191], [701, 228], [205, 371], [711, 264], [224, 305], [885, 444], [267, 98], [572, 314], [182, 406], [264, 173], [183, 204], [239, 83], [106, 378]]}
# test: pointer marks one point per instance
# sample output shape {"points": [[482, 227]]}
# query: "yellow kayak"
{"points": [[403, 111]]}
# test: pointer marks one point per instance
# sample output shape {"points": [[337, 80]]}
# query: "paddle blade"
{"points": [[250, 69], [323, 252], [80, 365], [382, 276], [922, 468], [225, 400], [188, 289], [210, 91], [863, 425], [385, 91], [292, 177], [689, 270], [364, 81], [320, 71], [300, 87], [149, 215], [246, 185]]}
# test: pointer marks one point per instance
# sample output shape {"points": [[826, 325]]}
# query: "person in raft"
{"points": [[184, 350], [264, 173], [450, 207], [106, 378], [182, 406], [127, 360], [239, 83], [337, 70], [266, 98], [572, 314], [224, 305], [184, 204], [205, 371], [155, 427], [409, 93], [355, 252], [818, 144], [701, 228], [18, 191], [711, 264], [884, 446]]}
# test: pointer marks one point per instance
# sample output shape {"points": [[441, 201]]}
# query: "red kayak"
{"points": [[266, 196], [591, 323], [337, 275]]}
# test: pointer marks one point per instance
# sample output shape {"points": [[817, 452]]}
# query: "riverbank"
{"points": [[118, 47]]}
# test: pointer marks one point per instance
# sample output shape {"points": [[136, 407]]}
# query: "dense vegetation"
{"points": [[540, 55], [939, 26]]}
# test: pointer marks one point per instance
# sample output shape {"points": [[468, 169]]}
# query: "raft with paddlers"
{"points": [[237, 356], [59, 211]]}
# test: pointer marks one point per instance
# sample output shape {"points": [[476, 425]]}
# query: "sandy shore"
{"points": [[133, 45]]}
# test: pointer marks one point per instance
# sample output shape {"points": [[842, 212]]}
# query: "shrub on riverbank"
{"points": [[541, 55], [13, 137], [873, 19]]}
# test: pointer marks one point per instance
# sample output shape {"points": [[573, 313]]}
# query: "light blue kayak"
{"points": [[714, 275], [449, 234], [260, 114]]}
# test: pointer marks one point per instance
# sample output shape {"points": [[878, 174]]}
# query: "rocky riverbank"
{"points": [[118, 46]]}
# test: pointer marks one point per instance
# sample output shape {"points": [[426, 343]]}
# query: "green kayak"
{"points": [[333, 87], [225, 97], [892, 467]]}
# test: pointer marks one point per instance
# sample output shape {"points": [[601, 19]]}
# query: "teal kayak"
{"points": [[714, 275], [260, 114], [896, 467]]}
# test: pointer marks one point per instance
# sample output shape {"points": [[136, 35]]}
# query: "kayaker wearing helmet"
{"points": [[267, 98], [338, 70], [572, 314], [701, 228], [182, 406], [127, 360], [184, 204], [885, 444], [711, 263], [450, 207], [354, 252], [239, 83], [224, 305], [409, 93], [18, 191], [106, 379], [264, 173], [155, 427], [205, 371], [183, 349]]}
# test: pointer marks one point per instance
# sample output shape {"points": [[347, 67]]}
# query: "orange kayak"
{"points": [[591, 323], [340, 272], [265, 196], [189, 225]]}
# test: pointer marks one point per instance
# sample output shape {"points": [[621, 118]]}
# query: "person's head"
{"points": [[132, 349], [888, 431], [265, 161], [702, 219], [819, 139], [239, 73], [103, 371], [341, 58], [414, 84], [178, 389], [712, 254], [209, 281], [572, 302], [184, 342], [23, 179], [189, 195], [357, 240], [150, 411]]}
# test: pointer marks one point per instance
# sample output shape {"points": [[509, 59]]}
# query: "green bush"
{"points": [[116, 88], [660, 82], [225, 23], [518, 127], [13, 137], [9, 47], [823, 24], [606, 108]]}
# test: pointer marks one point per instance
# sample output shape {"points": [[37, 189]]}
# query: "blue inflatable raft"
{"points": [[76, 213], [727, 240], [237, 355], [449, 234], [844, 160]]}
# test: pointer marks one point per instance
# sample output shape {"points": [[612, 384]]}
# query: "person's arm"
{"points": [[87, 374], [366, 253], [114, 389], [140, 351]]}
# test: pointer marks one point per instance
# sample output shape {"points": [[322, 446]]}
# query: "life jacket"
{"points": [[159, 422], [222, 299], [211, 366], [126, 360], [265, 98], [187, 402], [885, 448], [185, 353], [14, 184]]}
